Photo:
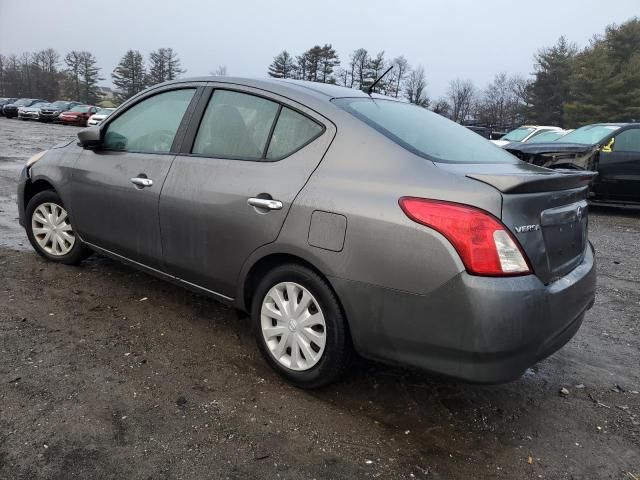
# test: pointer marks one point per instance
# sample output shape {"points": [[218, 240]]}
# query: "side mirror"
{"points": [[89, 137]]}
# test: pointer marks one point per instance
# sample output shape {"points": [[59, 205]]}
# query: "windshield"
{"points": [[589, 135], [39, 105], [423, 132], [81, 108], [60, 104], [546, 137], [518, 134], [23, 101]]}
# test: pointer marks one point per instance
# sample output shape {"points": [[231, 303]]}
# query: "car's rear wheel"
{"points": [[50, 231], [300, 328]]}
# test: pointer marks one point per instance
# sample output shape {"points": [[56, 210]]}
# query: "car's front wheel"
{"points": [[50, 231], [300, 327]]}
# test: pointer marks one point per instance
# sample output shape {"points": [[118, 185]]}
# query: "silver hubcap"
{"points": [[52, 230], [293, 326]]}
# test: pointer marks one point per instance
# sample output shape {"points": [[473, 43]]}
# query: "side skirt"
{"points": [[164, 276]]}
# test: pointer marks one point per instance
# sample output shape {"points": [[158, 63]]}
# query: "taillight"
{"points": [[484, 244]]}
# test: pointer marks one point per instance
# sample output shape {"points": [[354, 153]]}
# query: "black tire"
{"points": [[77, 253], [338, 352]]}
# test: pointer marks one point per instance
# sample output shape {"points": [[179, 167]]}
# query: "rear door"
{"points": [[116, 189], [230, 188], [619, 168]]}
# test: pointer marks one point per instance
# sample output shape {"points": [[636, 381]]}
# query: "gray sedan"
{"points": [[344, 223]]}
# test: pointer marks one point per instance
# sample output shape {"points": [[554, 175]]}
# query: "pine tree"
{"points": [[72, 74], [164, 65], [550, 90], [605, 78], [282, 66], [129, 76], [329, 60], [89, 77]]}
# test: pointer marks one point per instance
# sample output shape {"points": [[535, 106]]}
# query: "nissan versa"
{"points": [[342, 222]]}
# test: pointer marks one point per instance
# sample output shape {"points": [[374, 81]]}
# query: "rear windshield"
{"points": [[589, 134], [518, 134], [423, 132], [546, 137]]}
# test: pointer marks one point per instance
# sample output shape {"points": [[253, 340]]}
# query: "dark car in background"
{"points": [[6, 101], [78, 115], [51, 112], [611, 149], [339, 220], [11, 109]]}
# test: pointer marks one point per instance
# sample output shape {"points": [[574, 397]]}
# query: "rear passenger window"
{"points": [[151, 125], [292, 132], [235, 125]]}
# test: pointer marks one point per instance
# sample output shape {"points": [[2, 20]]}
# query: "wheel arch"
{"points": [[32, 188], [267, 262]]}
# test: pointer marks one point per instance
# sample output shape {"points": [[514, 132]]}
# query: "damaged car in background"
{"points": [[611, 149]]}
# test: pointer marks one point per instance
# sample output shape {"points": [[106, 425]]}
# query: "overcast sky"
{"points": [[450, 38]]}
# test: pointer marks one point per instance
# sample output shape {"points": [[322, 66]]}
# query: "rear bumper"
{"points": [[477, 329]]}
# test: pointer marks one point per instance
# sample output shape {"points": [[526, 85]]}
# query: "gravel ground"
{"points": [[106, 372]]}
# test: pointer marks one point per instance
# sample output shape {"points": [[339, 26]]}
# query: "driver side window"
{"points": [[151, 125], [628, 141]]}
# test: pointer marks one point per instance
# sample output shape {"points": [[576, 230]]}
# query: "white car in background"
{"points": [[99, 116], [523, 134]]}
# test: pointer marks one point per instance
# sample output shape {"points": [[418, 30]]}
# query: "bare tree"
{"points": [[503, 103], [442, 107], [359, 63], [461, 96], [398, 75], [221, 71], [415, 86]]}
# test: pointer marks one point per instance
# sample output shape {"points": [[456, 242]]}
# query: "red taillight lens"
{"points": [[484, 244]]}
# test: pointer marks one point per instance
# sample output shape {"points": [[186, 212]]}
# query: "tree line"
{"points": [[47, 74], [569, 87]]}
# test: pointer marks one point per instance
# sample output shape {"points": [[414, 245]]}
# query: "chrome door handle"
{"points": [[142, 182], [265, 203]]}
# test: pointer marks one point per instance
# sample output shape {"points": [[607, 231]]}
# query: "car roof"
{"points": [[320, 90]]}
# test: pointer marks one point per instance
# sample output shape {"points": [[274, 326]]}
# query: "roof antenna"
{"points": [[370, 89]]}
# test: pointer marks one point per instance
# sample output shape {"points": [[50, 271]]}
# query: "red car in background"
{"points": [[78, 115]]}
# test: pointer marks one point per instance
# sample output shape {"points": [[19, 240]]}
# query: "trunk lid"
{"points": [[546, 211]]}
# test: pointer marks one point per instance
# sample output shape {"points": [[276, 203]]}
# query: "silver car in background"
{"points": [[342, 222]]}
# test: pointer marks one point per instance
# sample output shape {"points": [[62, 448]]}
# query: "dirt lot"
{"points": [[106, 372]]}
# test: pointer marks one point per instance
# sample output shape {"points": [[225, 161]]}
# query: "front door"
{"points": [[619, 168], [116, 188], [229, 192]]}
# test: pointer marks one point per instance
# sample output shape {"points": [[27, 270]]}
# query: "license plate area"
{"points": [[565, 236]]}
